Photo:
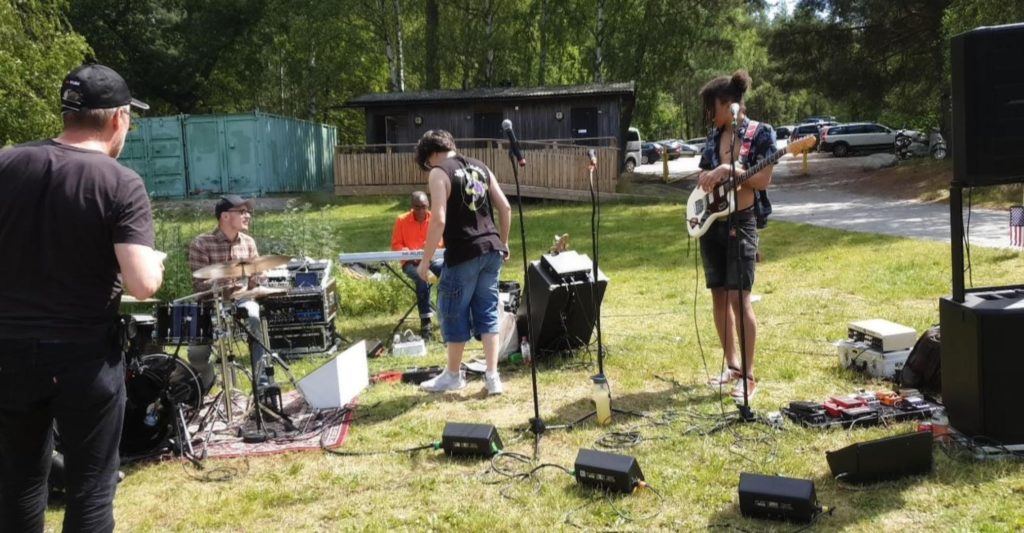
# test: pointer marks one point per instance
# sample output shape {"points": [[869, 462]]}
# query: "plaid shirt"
{"points": [[214, 247]]}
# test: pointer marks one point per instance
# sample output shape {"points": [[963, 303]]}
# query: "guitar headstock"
{"points": [[803, 144]]}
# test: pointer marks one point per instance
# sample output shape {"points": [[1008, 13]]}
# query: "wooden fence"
{"points": [[554, 169]]}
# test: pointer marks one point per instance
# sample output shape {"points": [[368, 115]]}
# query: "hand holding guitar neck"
{"points": [[704, 207]]}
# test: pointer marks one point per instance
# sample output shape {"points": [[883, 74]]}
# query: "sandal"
{"points": [[729, 375]]}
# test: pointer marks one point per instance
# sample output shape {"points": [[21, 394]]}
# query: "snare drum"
{"points": [[140, 332], [185, 323]]}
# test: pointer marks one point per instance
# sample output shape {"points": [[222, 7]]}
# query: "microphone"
{"points": [[593, 158], [513, 143], [735, 108]]}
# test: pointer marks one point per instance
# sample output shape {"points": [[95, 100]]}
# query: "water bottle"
{"points": [[602, 400], [524, 349], [150, 419]]}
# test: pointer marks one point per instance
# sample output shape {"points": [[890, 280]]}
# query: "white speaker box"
{"points": [[337, 382]]}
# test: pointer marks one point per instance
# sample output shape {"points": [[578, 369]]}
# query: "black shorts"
{"points": [[718, 252]]}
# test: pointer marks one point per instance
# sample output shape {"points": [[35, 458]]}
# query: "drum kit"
{"points": [[165, 393]]}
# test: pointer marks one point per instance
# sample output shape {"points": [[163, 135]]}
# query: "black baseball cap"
{"points": [[232, 201], [94, 86]]}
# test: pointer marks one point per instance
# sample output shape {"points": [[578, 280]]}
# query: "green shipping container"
{"points": [[156, 150], [250, 154]]}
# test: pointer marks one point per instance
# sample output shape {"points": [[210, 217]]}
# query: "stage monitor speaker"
{"points": [[883, 459], [607, 471], [337, 382], [470, 440], [988, 105], [562, 308], [777, 498], [983, 361]]}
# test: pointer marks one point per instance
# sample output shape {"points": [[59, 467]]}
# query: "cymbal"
{"points": [[129, 299], [256, 293], [241, 267]]}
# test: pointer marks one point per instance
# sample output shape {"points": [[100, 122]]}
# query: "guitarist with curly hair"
{"points": [[728, 268]]}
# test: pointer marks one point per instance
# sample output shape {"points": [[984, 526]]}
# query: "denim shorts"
{"points": [[718, 251], [467, 297]]}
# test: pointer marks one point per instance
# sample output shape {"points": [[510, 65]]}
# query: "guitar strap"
{"points": [[748, 137]]}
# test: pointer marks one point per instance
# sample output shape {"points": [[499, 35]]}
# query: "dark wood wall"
{"points": [[532, 119]]}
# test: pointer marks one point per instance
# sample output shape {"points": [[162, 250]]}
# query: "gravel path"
{"points": [[823, 199]]}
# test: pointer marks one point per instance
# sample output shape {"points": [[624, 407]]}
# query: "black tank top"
{"points": [[469, 229]]}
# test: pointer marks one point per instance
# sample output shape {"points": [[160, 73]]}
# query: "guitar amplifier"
{"points": [[301, 306]]}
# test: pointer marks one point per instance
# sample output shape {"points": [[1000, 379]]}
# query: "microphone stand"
{"points": [[595, 222], [537, 426], [745, 413]]}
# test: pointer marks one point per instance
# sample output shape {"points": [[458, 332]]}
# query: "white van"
{"points": [[633, 144]]}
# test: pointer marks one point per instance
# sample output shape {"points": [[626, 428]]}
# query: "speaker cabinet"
{"points": [[883, 459], [988, 105], [563, 307], [983, 361], [777, 497]]}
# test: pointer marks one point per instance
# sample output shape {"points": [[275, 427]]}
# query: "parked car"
{"points": [[650, 152], [845, 139], [633, 147], [818, 119], [803, 130], [697, 142], [782, 134], [673, 148]]}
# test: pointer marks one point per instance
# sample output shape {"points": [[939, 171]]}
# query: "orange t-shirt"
{"points": [[409, 233]]}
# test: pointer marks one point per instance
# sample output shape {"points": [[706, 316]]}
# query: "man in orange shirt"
{"points": [[410, 233]]}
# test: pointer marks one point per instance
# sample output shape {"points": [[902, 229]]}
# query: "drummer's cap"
{"points": [[94, 86], [231, 201]]}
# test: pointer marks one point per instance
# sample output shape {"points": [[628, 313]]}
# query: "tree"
{"points": [[166, 49], [37, 49]]}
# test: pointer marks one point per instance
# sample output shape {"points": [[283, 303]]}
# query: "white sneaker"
{"points": [[493, 384], [445, 381]]}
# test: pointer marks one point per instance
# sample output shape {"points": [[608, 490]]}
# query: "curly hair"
{"points": [[432, 142], [725, 89]]}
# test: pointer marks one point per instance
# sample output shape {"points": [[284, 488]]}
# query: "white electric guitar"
{"points": [[703, 208]]}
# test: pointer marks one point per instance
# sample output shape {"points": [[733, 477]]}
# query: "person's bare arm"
{"points": [[439, 191], [142, 270], [500, 202]]}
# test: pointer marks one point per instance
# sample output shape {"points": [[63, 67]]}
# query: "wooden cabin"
{"points": [[556, 125]]}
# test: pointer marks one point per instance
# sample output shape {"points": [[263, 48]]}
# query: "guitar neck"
{"points": [[770, 160]]}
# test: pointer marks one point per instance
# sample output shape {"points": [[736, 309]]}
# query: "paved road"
{"points": [[828, 206], [834, 208]]}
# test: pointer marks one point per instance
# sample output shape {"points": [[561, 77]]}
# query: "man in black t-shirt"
{"points": [[77, 230], [464, 192]]}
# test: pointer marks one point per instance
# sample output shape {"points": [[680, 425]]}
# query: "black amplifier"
{"points": [[301, 306], [301, 340]]}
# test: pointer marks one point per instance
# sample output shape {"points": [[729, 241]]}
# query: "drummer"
{"points": [[228, 242]]}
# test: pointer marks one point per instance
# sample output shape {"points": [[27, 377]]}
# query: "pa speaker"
{"points": [[988, 105], [883, 459], [337, 382], [982, 362], [777, 497], [562, 307], [607, 471], [470, 440]]}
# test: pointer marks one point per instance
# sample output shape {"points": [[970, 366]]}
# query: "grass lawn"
{"points": [[661, 346]]}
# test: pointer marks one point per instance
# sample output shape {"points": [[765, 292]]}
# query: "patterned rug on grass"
{"points": [[311, 429]]}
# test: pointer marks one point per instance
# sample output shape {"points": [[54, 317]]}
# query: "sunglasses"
{"points": [[240, 211]]}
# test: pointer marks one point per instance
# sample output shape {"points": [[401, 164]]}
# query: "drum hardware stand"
{"points": [[263, 399]]}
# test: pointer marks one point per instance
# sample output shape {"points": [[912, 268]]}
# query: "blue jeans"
{"points": [[467, 297], [81, 387], [422, 287]]}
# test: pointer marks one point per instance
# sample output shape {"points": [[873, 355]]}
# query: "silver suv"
{"points": [[845, 139]]}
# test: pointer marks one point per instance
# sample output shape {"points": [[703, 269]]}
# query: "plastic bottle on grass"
{"points": [[524, 350], [602, 400]]}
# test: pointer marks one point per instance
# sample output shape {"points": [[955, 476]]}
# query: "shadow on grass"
{"points": [[640, 402]]}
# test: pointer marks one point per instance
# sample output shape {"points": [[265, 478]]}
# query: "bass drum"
{"points": [[156, 386]]}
